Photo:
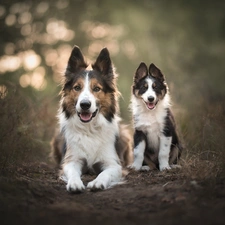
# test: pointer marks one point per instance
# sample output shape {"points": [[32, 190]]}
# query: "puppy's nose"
{"points": [[85, 104], [151, 98]]}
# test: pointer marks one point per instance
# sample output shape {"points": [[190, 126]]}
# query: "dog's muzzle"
{"points": [[85, 114]]}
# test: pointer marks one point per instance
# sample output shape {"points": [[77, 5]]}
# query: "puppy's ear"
{"points": [[156, 72], [103, 63], [141, 72], [76, 62]]}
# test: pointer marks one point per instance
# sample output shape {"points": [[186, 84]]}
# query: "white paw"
{"points": [[135, 166], [164, 167], [145, 168], [75, 185], [175, 166], [98, 184]]}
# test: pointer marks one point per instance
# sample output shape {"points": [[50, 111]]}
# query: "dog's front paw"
{"points": [[75, 186], [164, 167], [98, 184]]}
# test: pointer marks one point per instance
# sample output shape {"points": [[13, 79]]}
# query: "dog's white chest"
{"points": [[91, 142]]}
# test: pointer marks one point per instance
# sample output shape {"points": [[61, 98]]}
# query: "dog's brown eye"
{"points": [[96, 89], [154, 85], [77, 88]]}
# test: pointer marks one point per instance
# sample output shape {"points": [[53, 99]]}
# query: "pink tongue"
{"points": [[151, 105], [85, 116]]}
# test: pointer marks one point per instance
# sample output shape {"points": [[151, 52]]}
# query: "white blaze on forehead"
{"points": [[86, 91], [149, 92], [87, 95]]}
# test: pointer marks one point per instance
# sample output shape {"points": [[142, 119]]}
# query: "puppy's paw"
{"points": [[164, 167], [135, 166], [75, 186], [145, 168], [175, 166]]}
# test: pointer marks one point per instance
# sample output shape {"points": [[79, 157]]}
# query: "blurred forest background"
{"points": [[185, 39]]}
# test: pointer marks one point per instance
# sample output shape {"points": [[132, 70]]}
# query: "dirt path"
{"points": [[34, 195]]}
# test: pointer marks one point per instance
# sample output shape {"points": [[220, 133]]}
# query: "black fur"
{"points": [[139, 136]]}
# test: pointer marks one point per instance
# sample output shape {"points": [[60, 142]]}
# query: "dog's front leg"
{"points": [[72, 171], [110, 176], [164, 152]]}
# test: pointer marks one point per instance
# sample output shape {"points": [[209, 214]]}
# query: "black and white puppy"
{"points": [[156, 143]]}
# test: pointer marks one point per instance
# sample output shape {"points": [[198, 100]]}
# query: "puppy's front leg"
{"points": [[138, 156], [72, 171], [139, 149], [164, 152]]}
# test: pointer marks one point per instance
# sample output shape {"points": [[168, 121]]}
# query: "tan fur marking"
{"points": [[124, 146], [71, 96], [80, 83], [137, 95], [105, 99], [94, 83], [56, 147]]}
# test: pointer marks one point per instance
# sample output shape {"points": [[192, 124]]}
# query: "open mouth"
{"points": [[151, 105], [86, 116]]}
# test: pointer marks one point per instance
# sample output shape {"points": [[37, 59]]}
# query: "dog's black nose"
{"points": [[151, 98], [85, 104]]}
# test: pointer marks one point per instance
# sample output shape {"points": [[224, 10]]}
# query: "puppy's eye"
{"points": [[146, 86], [154, 85], [96, 89], [77, 88]]}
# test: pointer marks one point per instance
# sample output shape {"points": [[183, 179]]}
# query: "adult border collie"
{"points": [[156, 143], [91, 138]]}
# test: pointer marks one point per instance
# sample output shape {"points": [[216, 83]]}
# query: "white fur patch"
{"points": [[138, 155], [86, 95], [72, 173], [106, 179], [149, 92], [164, 151], [145, 168]]}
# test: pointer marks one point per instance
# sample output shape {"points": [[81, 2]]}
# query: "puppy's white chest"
{"points": [[153, 133], [152, 126]]}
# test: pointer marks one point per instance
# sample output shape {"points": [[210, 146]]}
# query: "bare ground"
{"points": [[33, 194]]}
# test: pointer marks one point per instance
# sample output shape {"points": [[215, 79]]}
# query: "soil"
{"points": [[33, 194]]}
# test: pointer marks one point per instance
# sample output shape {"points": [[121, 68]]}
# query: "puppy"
{"points": [[156, 143]]}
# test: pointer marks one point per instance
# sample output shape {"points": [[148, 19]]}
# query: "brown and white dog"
{"points": [[91, 137], [156, 143]]}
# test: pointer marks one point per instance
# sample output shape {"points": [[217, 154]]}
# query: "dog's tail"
{"points": [[58, 147], [124, 145]]}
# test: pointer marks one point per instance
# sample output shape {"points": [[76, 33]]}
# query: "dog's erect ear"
{"points": [[76, 61], [103, 62], [156, 72], [141, 72]]}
